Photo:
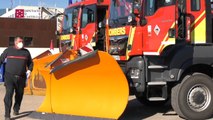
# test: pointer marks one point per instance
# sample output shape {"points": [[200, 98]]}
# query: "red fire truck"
{"points": [[165, 49], [163, 46], [80, 24]]}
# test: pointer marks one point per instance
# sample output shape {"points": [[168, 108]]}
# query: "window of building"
{"points": [[195, 5], [28, 41], [11, 41]]}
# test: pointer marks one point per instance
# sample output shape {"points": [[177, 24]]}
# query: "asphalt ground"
{"points": [[134, 111]]}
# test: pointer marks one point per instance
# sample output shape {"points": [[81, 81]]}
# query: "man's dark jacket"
{"points": [[16, 61]]}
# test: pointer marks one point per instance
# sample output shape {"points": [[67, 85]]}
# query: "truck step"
{"points": [[157, 83], [157, 67], [156, 99]]}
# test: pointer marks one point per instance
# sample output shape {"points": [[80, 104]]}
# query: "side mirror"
{"points": [[73, 30], [131, 19], [101, 25], [57, 32], [143, 21]]}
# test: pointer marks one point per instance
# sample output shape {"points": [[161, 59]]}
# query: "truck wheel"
{"points": [[174, 102], [193, 98], [143, 100]]}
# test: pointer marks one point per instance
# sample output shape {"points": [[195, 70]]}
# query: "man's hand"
{"points": [[28, 73]]}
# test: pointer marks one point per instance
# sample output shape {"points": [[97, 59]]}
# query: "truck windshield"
{"points": [[70, 19], [119, 12]]}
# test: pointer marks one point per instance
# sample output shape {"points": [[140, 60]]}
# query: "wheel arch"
{"points": [[188, 69], [191, 59]]}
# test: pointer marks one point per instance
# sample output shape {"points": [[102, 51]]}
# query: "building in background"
{"points": [[34, 12], [34, 23], [37, 33], [3, 11]]}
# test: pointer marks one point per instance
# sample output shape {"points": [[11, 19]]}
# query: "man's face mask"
{"points": [[20, 45]]}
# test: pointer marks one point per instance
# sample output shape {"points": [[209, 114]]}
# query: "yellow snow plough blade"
{"points": [[35, 83], [90, 85]]}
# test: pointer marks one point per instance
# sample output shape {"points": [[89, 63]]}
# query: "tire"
{"points": [[143, 100], [193, 98], [174, 98]]}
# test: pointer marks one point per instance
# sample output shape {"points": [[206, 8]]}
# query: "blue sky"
{"points": [[46, 3]]}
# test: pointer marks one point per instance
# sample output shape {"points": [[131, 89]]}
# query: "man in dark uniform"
{"points": [[18, 63]]}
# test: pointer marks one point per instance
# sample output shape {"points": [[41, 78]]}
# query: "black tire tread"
{"points": [[174, 100]]}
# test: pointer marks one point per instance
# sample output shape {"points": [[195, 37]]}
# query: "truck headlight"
{"points": [[134, 73], [113, 49]]}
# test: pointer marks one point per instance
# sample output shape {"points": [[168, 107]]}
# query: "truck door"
{"points": [[196, 16], [160, 27], [88, 25], [69, 32]]}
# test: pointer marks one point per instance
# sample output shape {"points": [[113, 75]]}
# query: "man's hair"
{"points": [[17, 37]]}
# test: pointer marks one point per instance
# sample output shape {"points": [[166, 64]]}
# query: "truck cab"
{"points": [[81, 25], [163, 47]]}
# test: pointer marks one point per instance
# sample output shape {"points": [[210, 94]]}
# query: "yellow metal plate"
{"points": [[94, 87]]}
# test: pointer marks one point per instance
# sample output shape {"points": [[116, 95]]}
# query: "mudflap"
{"points": [[92, 85]]}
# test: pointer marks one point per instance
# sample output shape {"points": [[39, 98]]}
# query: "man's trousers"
{"points": [[17, 84]]}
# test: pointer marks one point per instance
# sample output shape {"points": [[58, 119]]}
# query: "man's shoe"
{"points": [[15, 113], [7, 118]]}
